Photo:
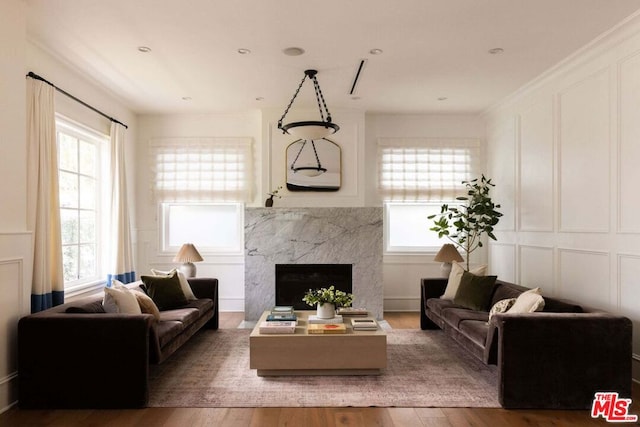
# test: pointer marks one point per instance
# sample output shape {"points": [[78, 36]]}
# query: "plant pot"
{"points": [[326, 310]]}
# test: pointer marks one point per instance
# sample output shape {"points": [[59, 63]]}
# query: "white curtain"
{"points": [[43, 204], [121, 252]]}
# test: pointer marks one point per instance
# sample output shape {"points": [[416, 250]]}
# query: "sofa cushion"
{"points": [[184, 283], [475, 330], [436, 305], [165, 291], [554, 305], [119, 299], [168, 330], [475, 291], [184, 315], [504, 290], [453, 316], [528, 302], [91, 307], [456, 275], [501, 306]]}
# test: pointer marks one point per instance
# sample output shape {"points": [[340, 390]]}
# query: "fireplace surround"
{"points": [[313, 236]]}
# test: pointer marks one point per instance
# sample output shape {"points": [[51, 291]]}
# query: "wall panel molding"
{"points": [[584, 275], [537, 267]]}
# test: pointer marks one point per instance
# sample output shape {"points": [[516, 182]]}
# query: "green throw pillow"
{"points": [[475, 291], [165, 291]]}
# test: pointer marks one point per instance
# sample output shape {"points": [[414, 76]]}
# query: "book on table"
{"points": [[324, 328], [282, 317], [364, 324], [277, 327], [352, 311], [312, 319], [282, 309]]}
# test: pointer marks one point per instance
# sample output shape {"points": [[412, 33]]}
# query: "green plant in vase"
{"points": [[331, 295], [466, 224]]}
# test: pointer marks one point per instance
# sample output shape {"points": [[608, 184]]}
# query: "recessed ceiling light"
{"points": [[144, 49], [244, 51], [375, 51], [496, 51], [259, 98], [442, 98], [186, 98], [356, 98], [293, 51]]}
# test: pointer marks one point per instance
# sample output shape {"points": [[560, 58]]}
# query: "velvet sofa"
{"points": [[556, 358], [77, 356]]}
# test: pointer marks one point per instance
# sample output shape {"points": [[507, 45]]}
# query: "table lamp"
{"points": [[187, 255], [446, 255]]}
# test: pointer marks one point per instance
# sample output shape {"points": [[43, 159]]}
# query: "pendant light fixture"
{"points": [[310, 130]]}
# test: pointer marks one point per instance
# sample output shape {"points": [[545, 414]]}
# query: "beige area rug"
{"points": [[424, 369]]}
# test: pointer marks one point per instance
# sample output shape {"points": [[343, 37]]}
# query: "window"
{"points": [[215, 228], [80, 157], [415, 177]]}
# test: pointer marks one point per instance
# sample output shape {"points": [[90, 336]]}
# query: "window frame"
{"points": [[67, 126]]}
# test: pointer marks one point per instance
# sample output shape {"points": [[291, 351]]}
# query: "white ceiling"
{"points": [[431, 49]]}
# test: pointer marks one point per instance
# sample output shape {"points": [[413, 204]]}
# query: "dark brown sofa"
{"points": [[77, 356], [555, 359]]}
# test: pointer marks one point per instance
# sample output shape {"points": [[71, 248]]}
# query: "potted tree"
{"points": [[465, 225]]}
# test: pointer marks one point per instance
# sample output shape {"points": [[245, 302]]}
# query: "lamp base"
{"points": [[188, 269], [445, 269]]}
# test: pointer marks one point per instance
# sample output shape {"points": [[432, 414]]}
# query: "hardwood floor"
{"points": [[307, 417]]}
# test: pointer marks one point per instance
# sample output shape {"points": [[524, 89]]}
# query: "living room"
{"points": [[560, 146]]}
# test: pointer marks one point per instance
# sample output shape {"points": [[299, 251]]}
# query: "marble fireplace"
{"points": [[278, 236]]}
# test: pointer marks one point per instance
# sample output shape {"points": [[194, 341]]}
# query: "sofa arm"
{"points": [[430, 288], [83, 360], [560, 360], [204, 287]]}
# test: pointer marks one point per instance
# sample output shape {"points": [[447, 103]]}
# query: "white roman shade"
{"points": [[425, 169], [202, 169]]}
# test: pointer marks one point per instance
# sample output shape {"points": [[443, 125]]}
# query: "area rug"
{"points": [[424, 369]]}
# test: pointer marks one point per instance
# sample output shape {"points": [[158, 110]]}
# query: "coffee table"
{"points": [[300, 353]]}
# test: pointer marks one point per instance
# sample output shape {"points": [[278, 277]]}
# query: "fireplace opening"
{"points": [[294, 280]]}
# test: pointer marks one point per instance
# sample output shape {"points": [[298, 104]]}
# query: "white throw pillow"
{"points": [[528, 302], [146, 304], [119, 299], [184, 283], [456, 275]]}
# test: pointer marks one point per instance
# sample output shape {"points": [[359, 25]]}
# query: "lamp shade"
{"points": [[188, 253], [448, 253]]}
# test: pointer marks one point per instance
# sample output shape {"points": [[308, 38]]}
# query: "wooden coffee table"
{"points": [[352, 353]]}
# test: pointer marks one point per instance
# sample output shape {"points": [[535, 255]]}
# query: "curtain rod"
{"points": [[37, 77]]}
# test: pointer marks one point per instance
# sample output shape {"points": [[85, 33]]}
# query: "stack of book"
{"points": [[321, 328], [364, 324], [314, 319], [277, 327], [282, 314]]}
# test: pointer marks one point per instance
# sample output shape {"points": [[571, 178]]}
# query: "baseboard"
{"points": [[8, 392], [401, 304]]}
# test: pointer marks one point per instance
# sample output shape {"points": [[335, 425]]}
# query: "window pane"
{"points": [[209, 227], [68, 152], [69, 226], [87, 262], [87, 227], [87, 192], [88, 158], [70, 263], [408, 227], [68, 190]]}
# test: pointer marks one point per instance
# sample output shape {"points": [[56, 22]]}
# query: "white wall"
{"points": [[564, 152]]}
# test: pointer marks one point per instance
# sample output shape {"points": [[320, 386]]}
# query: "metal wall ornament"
{"points": [[314, 165]]}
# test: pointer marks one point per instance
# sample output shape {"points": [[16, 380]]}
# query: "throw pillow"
{"points": [[119, 299], [528, 302], [456, 275], [501, 306], [146, 304], [475, 292], [184, 283], [165, 291]]}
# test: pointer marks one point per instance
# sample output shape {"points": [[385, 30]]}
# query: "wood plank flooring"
{"points": [[307, 417]]}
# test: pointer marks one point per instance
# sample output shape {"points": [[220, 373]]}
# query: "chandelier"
{"points": [[310, 130]]}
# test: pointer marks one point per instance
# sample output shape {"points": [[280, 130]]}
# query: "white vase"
{"points": [[326, 310]]}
